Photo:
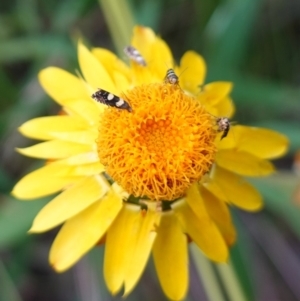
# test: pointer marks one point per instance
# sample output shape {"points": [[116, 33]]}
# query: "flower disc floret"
{"points": [[162, 147]]}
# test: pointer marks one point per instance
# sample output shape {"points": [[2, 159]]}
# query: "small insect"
{"points": [[223, 126], [111, 100], [171, 77], [135, 55]]}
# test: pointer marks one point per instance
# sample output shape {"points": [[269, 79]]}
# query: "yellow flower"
{"points": [[147, 179]]}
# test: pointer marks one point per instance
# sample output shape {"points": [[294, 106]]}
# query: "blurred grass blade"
{"points": [[120, 21], [16, 218], [34, 47], [27, 14], [66, 14], [269, 95], [230, 281], [277, 191], [229, 29], [148, 13], [284, 258], [241, 255], [6, 183], [207, 274], [9, 291]]}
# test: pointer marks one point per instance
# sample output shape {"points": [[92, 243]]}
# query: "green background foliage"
{"points": [[253, 43]]}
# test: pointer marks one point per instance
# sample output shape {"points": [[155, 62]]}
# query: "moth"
{"points": [[171, 77], [223, 126], [135, 55], [111, 100]]}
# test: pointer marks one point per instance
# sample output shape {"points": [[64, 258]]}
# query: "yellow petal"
{"points": [[260, 142], [80, 233], [122, 82], [70, 202], [88, 169], [192, 71], [141, 75], [154, 50], [119, 238], [160, 58], [83, 158], [237, 190], [219, 212], [93, 71], [215, 189], [244, 163], [62, 86], [143, 39], [84, 137], [42, 127], [215, 98], [203, 231], [224, 107], [144, 235], [111, 62], [54, 149], [196, 203], [229, 142], [171, 257], [44, 181], [212, 93], [206, 204], [87, 109], [120, 191]]}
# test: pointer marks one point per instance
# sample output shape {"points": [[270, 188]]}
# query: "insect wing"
{"points": [[111, 100], [225, 132], [135, 55]]}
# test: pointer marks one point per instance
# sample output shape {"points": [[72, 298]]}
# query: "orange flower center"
{"points": [[160, 148]]}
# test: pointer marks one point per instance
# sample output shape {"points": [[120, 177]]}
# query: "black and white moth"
{"points": [[111, 100], [223, 126], [135, 55], [171, 77]]}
